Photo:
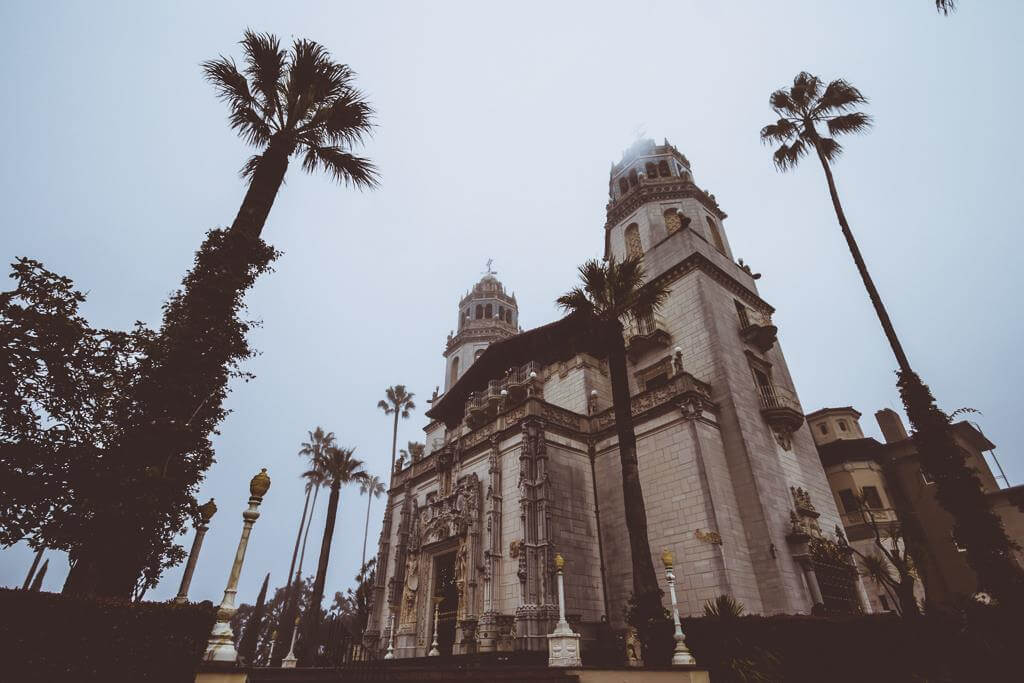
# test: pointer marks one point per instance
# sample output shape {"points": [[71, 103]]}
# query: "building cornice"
{"points": [[698, 261], [656, 191]]}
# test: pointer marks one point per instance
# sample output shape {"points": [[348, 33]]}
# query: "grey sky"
{"points": [[497, 126]]}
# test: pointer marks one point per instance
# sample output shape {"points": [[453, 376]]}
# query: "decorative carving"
{"points": [[711, 537], [783, 437], [802, 501], [514, 548]]}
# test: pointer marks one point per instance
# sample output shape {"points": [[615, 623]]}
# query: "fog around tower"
{"points": [[497, 127]]}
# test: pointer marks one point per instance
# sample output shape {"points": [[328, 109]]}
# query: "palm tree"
{"points": [[610, 292], [802, 110], [373, 487], [339, 468], [413, 452], [313, 449], [287, 102], [397, 402]]}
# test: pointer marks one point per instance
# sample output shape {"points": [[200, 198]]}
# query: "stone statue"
{"points": [[412, 584], [633, 654]]}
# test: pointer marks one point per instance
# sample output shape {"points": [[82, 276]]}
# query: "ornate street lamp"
{"points": [[682, 655], [221, 646], [206, 512], [563, 642]]}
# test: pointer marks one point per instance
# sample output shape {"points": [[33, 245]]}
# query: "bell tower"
{"points": [[487, 313]]}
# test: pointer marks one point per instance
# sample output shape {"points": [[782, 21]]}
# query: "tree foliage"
{"points": [[273, 611]]}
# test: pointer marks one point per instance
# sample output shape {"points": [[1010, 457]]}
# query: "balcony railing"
{"points": [[644, 332], [777, 397], [517, 384]]}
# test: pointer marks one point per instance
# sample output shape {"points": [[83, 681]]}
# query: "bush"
{"points": [[53, 638], [975, 644]]}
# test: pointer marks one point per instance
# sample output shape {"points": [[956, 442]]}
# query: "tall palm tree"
{"points": [[372, 487], [803, 110], [340, 468], [288, 102], [610, 292], [396, 402], [314, 450]]}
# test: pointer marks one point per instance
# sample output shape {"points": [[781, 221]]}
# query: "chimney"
{"points": [[891, 425]]}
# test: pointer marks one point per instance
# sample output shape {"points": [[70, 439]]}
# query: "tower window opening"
{"points": [[716, 236], [477, 354], [501, 312], [663, 169], [479, 311], [623, 185], [842, 425], [652, 170], [741, 312], [673, 220], [508, 316], [488, 311], [633, 180], [823, 428], [849, 501], [634, 248], [871, 498], [455, 371]]}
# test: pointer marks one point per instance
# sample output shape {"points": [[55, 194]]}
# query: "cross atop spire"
{"points": [[489, 271]]}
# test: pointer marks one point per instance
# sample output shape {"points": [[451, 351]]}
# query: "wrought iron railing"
{"points": [[777, 397]]}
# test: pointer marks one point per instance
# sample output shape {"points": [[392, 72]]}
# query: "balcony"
{"points": [[755, 330], [645, 332], [780, 408], [517, 384]]}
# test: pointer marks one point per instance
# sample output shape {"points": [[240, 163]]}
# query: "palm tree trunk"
{"points": [[313, 611], [266, 181], [39, 556], [394, 446], [646, 593], [876, 299], [277, 653], [366, 529]]}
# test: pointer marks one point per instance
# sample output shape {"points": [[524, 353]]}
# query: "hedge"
{"points": [[982, 644], [53, 638]]}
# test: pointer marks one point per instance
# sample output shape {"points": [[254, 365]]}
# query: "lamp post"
{"points": [[391, 637], [221, 646], [206, 512], [681, 656], [563, 642], [434, 651], [291, 660]]}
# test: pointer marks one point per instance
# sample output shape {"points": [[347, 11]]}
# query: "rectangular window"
{"points": [[849, 501], [871, 497], [741, 311]]}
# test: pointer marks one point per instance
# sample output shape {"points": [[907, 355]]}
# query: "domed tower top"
{"points": [[643, 161], [487, 313]]}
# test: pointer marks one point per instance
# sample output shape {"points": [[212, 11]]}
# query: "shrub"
{"points": [[973, 644], [54, 638]]}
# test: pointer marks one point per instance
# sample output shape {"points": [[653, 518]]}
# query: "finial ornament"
{"points": [[668, 558], [559, 561], [207, 511], [260, 484]]}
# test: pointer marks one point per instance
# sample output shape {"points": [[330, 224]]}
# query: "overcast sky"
{"points": [[497, 126]]}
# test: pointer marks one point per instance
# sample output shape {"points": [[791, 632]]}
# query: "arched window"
{"points": [[488, 311], [663, 168], [508, 316], [479, 311], [652, 170], [623, 185], [716, 237], [673, 222], [455, 371], [632, 178], [634, 248], [501, 312]]}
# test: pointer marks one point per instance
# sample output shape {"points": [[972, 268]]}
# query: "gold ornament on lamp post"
{"points": [[221, 646], [682, 655]]}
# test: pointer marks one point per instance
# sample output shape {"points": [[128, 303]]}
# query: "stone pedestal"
{"points": [[564, 646]]}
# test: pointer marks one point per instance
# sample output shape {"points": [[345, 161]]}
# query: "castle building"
{"points": [[863, 469], [522, 459]]}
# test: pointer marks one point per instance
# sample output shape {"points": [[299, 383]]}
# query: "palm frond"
{"points": [[855, 122], [344, 167], [383, 405], [806, 88], [265, 63], [830, 149], [783, 104], [575, 301], [839, 96], [781, 131], [233, 88], [250, 166], [312, 78], [945, 6], [788, 156], [345, 120]]}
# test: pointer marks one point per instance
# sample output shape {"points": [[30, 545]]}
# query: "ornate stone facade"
{"points": [[524, 460]]}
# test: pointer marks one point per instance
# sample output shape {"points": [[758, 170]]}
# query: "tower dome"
{"points": [[486, 314]]}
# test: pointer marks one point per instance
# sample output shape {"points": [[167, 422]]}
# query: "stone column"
{"points": [[563, 642], [221, 645], [812, 579], [681, 656], [206, 513], [434, 651]]}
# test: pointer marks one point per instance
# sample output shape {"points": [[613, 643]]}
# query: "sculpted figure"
{"points": [[412, 584]]}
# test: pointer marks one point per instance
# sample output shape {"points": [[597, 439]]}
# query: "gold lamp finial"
{"points": [[260, 484], [668, 558], [559, 561]]}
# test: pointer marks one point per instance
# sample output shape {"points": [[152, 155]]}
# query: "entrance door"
{"points": [[445, 588]]}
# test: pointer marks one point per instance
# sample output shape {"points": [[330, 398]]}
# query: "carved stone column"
{"points": [[487, 628], [537, 610]]}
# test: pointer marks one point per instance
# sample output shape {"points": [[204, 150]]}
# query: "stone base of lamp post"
{"points": [[564, 646], [682, 656], [289, 662], [221, 645]]}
